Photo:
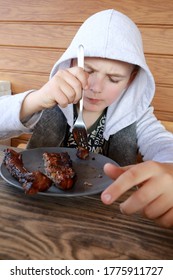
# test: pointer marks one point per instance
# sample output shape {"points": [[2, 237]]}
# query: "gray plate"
{"points": [[90, 176]]}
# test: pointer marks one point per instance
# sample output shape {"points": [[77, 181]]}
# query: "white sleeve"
{"points": [[10, 124], [154, 141]]}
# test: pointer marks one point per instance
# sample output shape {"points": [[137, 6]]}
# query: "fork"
{"points": [[79, 127]]}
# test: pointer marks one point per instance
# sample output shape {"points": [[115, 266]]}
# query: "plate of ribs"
{"points": [[55, 172]]}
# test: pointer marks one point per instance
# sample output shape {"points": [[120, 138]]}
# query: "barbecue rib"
{"points": [[82, 153], [32, 182], [58, 167]]}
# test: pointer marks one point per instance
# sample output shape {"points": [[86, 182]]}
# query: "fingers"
{"points": [[158, 206], [113, 171], [166, 220], [80, 75], [142, 197], [70, 83], [132, 176], [64, 88], [154, 197]]}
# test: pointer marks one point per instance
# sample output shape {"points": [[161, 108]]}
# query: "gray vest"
{"points": [[50, 131]]}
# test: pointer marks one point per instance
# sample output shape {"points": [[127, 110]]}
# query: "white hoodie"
{"points": [[110, 34]]}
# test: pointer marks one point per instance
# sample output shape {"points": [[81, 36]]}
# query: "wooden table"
{"points": [[40, 227]]}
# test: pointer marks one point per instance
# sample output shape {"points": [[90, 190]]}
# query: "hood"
{"points": [[111, 34]]}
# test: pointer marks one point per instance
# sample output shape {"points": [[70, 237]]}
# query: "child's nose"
{"points": [[95, 83]]}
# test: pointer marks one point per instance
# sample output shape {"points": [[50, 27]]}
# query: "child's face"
{"points": [[107, 80]]}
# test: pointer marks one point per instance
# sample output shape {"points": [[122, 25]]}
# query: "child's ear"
{"points": [[133, 74]]}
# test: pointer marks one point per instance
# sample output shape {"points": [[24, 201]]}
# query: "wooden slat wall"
{"points": [[34, 34]]}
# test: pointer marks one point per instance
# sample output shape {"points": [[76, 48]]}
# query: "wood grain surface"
{"points": [[152, 12], [82, 228]]}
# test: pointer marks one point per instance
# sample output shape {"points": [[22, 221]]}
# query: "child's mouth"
{"points": [[93, 100]]}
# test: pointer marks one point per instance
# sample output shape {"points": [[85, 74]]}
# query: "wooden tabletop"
{"points": [[81, 228]]}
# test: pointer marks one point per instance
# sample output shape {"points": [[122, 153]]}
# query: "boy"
{"points": [[119, 88]]}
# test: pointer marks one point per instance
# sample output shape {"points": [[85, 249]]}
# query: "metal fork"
{"points": [[79, 128]]}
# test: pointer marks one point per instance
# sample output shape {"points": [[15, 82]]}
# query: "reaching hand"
{"points": [[153, 198]]}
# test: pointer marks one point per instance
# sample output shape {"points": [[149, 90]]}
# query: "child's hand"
{"points": [[64, 88], [154, 197]]}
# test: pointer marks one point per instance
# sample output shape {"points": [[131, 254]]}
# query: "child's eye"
{"points": [[113, 80], [89, 71]]}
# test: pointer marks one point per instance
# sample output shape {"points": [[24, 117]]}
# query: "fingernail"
{"points": [[107, 197]]}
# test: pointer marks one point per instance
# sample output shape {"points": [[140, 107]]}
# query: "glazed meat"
{"points": [[58, 167], [32, 182], [82, 153]]}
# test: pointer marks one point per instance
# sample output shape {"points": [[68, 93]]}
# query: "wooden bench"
{"points": [[168, 125], [33, 37]]}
